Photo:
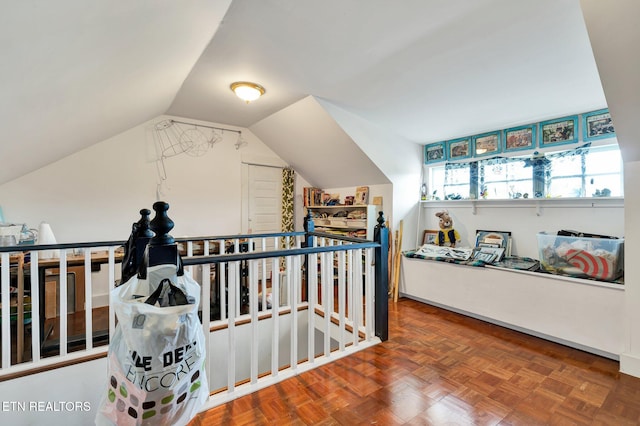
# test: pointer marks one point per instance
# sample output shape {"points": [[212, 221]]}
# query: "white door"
{"points": [[264, 205], [264, 199]]}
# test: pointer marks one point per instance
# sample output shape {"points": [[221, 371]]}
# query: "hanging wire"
{"points": [[178, 137], [174, 137]]}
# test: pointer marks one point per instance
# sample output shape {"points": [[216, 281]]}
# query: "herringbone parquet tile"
{"points": [[441, 368]]}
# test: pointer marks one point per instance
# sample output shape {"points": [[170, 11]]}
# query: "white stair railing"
{"points": [[40, 308], [272, 312]]}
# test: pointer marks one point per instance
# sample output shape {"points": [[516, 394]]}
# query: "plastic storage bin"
{"points": [[582, 257]]}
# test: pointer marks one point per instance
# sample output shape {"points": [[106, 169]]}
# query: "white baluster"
{"points": [[275, 314], [369, 289], [264, 275], [231, 324], [294, 263], [112, 283], [341, 296], [222, 283], [357, 288], [253, 310], [312, 297]]}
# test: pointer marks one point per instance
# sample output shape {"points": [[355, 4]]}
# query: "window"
{"points": [[581, 172], [505, 178], [457, 182], [593, 172], [450, 183]]}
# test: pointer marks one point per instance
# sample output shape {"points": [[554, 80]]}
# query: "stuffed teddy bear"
{"points": [[447, 235]]}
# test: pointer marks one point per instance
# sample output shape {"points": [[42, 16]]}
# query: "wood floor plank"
{"points": [[442, 368]]}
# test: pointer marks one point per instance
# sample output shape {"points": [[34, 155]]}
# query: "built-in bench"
{"points": [[583, 314]]}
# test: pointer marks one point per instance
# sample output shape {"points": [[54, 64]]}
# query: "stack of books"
{"points": [[312, 196]]}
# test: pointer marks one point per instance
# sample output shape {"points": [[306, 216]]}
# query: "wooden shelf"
{"points": [[366, 220]]}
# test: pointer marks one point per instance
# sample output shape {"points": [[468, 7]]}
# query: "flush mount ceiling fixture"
{"points": [[247, 91]]}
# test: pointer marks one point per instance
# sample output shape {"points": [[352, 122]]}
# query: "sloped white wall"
{"points": [[399, 159], [96, 194], [314, 144]]}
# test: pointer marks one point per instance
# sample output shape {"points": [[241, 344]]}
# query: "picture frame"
{"points": [[520, 138], [458, 149], [429, 236], [362, 195], [559, 131], [488, 254], [597, 125], [435, 152], [494, 239], [487, 144]]}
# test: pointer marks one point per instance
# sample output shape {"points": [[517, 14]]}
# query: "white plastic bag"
{"points": [[156, 361]]}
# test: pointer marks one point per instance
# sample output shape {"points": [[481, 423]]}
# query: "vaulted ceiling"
{"points": [[74, 73]]}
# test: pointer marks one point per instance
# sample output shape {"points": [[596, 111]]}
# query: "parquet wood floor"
{"points": [[441, 368]]}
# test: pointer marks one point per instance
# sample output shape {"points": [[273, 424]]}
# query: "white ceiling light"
{"points": [[247, 91]]}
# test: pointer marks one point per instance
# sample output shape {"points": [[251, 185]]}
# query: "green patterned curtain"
{"points": [[288, 187]]}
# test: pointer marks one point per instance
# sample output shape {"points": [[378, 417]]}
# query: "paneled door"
{"points": [[264, 207], [265, 199]]}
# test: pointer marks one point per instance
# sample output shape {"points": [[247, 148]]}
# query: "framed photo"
{"points": [[429, 236], [559, 131], [519, 138], [494, 239], [488, 254], [434, 152], [486, 144], [459, 148], [597, 125]]}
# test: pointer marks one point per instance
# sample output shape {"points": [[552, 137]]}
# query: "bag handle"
{"points": [[176, 296]]}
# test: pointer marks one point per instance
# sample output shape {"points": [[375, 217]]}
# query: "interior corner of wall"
{"points": [[630, 364]]}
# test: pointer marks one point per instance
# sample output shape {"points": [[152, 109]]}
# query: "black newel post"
{"points": [[143, 234], [381, 236], [309, 226], [135, 246], [161, 225], [162, 247]]}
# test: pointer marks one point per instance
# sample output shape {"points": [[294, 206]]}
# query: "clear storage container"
{"points": [[582, 257]]}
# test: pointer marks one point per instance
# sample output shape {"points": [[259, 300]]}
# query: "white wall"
{"points": [[614, 33], [96, 194], [630, 358], [524, 219]]}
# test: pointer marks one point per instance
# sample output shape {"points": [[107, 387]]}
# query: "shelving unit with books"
{"points": [[349, 220], [354, 217]]}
